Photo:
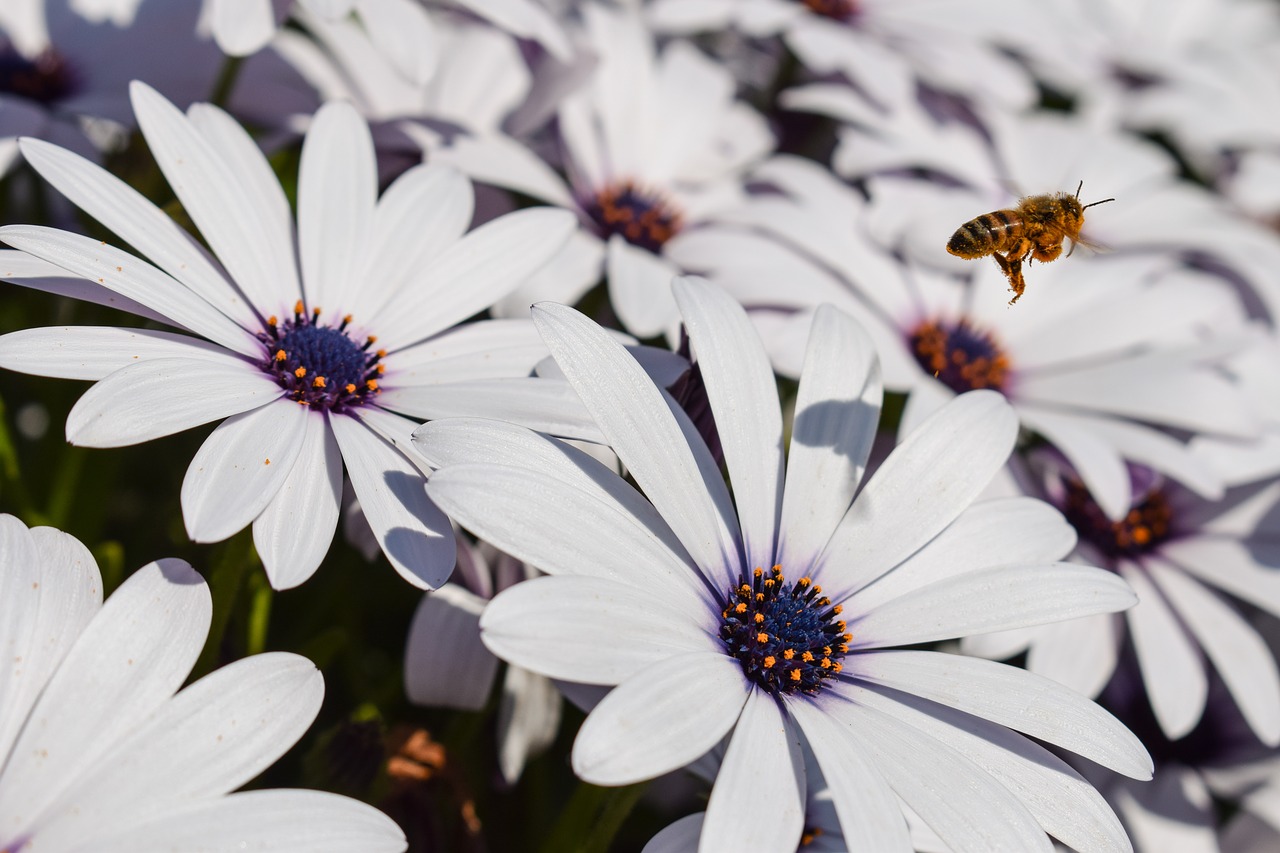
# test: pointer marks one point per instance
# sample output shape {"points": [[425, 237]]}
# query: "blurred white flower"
{"points": [[446, 665], [1180, 554], [1097, 357], [313, 346], [99, 749], [712, 623]]}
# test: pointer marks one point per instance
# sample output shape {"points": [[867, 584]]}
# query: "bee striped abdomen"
{"points": [[986, 234]]}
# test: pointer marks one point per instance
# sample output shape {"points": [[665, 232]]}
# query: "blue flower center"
{"points": [[788, 637], [644, 219], [1148, 523], [46, 79], [321, 366], [959, 356]]}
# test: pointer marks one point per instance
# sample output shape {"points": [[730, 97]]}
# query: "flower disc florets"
{"points": [[321, 366], [644, 219], [46, 79], [960, 356], [1144, 527], [788, 637]]}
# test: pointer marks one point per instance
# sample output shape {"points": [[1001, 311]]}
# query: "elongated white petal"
{"points": [[402, 31], [837, 408], [680, 837], [1230, 565], [744, 397], [211, 738], [20, 596], [547, 405], [660, 719], [35, 273], [413, 532], [589, 630], [134, 278], [640, 288], [764, 745], [563, 529], [968, 809], [1234, 648], [870, 818], [281, 821], [488, 349], [337, 192], [163, 396], [240, 28], [1000, 532], [1080, 653], [1063, 803], [218, 203], [1011, 697], [924, 484], [988, 600], [139, 223], [1172, 669], [240, 468], [528, 719], [473, 273], [294, 532], [1100, 466], [93, 352], [639, 426], [1174, 812], [445, 664], [526, 19], [128, 660]]}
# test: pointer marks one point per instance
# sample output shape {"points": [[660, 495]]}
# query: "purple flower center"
{"points": [[642, 218], [959, 356], [321, 366], [46, 79], [1146, 525], [788, 637]]}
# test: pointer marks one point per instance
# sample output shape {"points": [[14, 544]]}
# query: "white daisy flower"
{"points": [[655, 145], [314, 362], [770, 624], [1180, 554], [446, 665], [99, 750]]}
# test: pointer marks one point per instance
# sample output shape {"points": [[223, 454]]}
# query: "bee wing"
{"points": [[1100, 248]]}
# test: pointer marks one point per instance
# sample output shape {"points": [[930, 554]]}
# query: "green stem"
{"points": [[226, 80], [592, 818], [231, 564], [259, 613]]}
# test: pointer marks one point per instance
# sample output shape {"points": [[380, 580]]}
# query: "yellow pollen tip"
{"points": [[740, 608], [758, 572], [759, 596], [346, 318], [807, 657], [837, 667], [380, 353], [351, 388], [777, 567], [373, 339], [769, 661], [300, 372], [795, 675], [298, 307], [371, 384], [273, 320], [837, 610], [318, 382], [381, 369], [789, 653], [762, 637], [758, 618], [825, 663], [281, 355], [804, 582]]}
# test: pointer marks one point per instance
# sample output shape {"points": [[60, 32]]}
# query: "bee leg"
{"points": [[1016, 283], [1046, 253]]}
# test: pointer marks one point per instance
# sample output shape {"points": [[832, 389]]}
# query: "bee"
{"points": [[1033, 229]]}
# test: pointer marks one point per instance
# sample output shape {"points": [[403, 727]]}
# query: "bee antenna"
{"points": [[1079, 186], [1096, 203]]}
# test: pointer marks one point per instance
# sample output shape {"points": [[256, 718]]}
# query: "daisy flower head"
{"points": [[767, 617], [446, 665], [100, 750], [1191, 563], [313, 346]]}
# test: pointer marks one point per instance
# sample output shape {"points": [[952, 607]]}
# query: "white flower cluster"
{"points": [[882, 481]]}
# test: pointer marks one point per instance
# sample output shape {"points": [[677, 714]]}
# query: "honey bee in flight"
{"points": [[1033, 229]]}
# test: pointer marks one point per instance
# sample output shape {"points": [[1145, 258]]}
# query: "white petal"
{"points": [[211, 738], [561, 528], [493, 158], [1079, 653], [1234, 648], [279, 821], [680, 837], [423, 212], [473, 273], [985, 600], [1101, 469], [217, 201], [29, 271], [1231, 565], [870, 818], [634, 416], [526, 19], [445, 664], [93, 352], [924, 484], [546, 405], [139, 223], [744, 397], [131, 657], [163, 396], [1172, 669], [20, 595], [763, 746], [413, 532], [837, 409], [1059, 798], [240, 468], [134, 278], [640, 288], [528, 719], [660, 719], [403, 33], [1011, 697], [337, 191], [487, 349], [1174, 812], [590, 630], [241, 28], [294, 532]]}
